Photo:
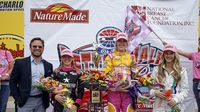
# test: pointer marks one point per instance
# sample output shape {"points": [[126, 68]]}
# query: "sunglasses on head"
{"points": [[35, 46]]}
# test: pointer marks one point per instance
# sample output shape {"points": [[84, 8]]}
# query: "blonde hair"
{"points": [[176, 67]]}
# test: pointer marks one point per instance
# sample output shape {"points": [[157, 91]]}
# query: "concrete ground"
{"points": [[11, 106]]}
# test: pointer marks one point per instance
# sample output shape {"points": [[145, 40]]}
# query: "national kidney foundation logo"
{"points": [[59, 13]]}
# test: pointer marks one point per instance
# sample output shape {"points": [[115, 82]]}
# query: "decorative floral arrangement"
{"points": [[137, 82], [145, 80], [47, 84], [56, 87], [168, 94], [94, 77]]}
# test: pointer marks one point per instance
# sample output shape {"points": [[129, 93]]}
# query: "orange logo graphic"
{"points": [[59, 13], [13, 43]]}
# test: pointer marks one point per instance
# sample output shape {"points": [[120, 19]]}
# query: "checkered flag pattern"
{"points": [[135, 28]]}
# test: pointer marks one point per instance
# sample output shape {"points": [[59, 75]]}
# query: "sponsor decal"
{"points": [[13, 43], [59, 13], [14, 5], [160, 16], [106, 40], [147, 57]]}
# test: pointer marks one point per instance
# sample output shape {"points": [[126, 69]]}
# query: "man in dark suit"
{"points": [[26, 73]]}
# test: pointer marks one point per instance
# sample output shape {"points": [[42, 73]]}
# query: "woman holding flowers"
{"points": [[173, 77], [118, 69], [68, 74]]}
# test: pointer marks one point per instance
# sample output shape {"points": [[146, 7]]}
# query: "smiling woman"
{"points": [[71, 77], [118, 69], [173, 76]]}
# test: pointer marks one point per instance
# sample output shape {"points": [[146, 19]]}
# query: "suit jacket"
{"points": [[21, 79]]}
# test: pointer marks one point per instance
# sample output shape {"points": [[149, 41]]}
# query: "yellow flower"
{"points": [[69, 102], [96, 76]]}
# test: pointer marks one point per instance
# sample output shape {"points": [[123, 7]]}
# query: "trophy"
{"points": [[95, 88], [97, 57]]}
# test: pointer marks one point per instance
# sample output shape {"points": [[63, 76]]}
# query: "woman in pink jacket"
{"points": [[6, 66]]}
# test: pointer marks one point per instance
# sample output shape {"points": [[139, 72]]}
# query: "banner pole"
{"points": [[163, 42]]}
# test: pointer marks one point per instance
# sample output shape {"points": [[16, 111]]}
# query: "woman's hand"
{"points": [[57, 70], [59, 98], [73, 109], [119, 88], [122, 88], [160, 95], [5, 77], [171, 102]]}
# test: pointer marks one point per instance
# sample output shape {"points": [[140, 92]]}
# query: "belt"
{"points": [[36, 96], [196, 80]]}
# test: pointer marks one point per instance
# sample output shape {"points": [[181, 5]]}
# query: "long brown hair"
{"points": [[176, 67]]}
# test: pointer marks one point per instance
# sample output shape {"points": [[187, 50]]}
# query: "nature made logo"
{"points": [[59, 13], [13, 43]]}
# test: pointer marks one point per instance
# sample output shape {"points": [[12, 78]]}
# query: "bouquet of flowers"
{"points": [[47, 84], [145, 80], [56, 87], [119, 79], [94, 77], [168, 93]]}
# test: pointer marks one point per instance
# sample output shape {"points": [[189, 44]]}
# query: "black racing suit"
{"points": [[72, 78]]}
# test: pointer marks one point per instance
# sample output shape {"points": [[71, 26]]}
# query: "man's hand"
{"points": [[44, 80]]}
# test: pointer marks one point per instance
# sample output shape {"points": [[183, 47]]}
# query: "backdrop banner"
{"points": [[80, 24], [12, 27]]}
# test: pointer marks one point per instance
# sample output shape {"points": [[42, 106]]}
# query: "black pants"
{"points": [[196, 92]]}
